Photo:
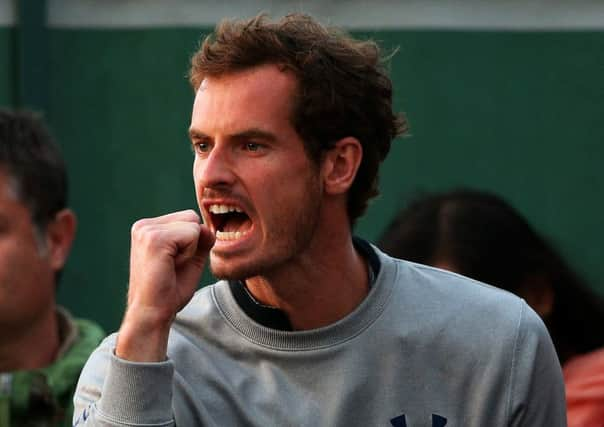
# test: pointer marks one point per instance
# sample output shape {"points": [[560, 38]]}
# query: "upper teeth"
{"points": [[221, 209]]}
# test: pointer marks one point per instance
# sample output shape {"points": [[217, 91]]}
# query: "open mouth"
{"points": [[229, 222]]}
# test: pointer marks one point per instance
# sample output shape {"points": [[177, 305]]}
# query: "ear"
{"points": [[60, 233], [340, 165], [539, 294]]}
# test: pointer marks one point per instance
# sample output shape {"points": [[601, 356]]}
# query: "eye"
{"points": [[252, 146], [202, 147]]}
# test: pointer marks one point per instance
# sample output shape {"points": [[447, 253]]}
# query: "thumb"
{"points": [[190, 271], [205, 241]]}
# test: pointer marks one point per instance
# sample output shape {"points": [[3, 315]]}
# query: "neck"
{"points": [[30, 348], [321, 286]]}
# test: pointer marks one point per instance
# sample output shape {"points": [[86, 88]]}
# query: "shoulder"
{"points": [[418, 282], [584, 378], [469, 310], [80, 337], [491, 333], [585, 364]]}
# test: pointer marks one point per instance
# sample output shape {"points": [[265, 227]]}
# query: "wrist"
{"points": [[143, 336]]}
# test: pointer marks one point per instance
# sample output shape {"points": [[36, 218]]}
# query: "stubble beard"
{"points": [[288, 239]]}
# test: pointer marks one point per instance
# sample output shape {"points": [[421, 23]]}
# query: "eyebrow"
{"points": [[255, 133], [246, 134], [194, 134]]}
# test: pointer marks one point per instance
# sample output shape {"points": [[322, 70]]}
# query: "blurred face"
{"points": [[26, 277], [446, 265], [256, 188]]}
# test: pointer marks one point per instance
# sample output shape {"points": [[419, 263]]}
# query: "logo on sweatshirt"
{"points": [[401, 421]]}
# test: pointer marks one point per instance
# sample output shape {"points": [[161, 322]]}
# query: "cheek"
{"points": [[291, 188], [292, 172], [22, 271], [196, 171]]}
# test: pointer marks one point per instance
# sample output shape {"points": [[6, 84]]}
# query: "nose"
{"points": [[215, 169]]}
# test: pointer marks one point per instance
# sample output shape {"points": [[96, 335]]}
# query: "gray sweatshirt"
{"points": [[425, 348]]}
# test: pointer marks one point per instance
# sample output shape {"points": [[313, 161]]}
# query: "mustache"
{"points": [[215, 193], [225, 193]]}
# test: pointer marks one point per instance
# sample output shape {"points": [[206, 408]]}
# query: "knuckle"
{"points": [[150, 236], [138, 226], [192, 214], [144, 232]]}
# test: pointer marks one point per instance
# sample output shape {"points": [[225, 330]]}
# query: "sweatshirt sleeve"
{"points": [[115, 392], [536, 395]]}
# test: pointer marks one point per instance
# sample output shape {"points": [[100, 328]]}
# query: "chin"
{"points": [[229, 270], [242, 269]]}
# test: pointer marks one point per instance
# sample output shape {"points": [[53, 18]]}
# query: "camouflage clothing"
{"points": [[44, 397]]}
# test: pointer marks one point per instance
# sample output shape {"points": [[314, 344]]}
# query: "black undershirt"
{"points": [[274, 318]]}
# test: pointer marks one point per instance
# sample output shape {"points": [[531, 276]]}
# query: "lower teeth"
{"points": [[229, 235]]}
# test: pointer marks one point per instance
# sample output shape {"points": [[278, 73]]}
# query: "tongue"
{"points": [[236, 223]]}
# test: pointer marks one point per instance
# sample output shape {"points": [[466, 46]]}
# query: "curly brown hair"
{"points": [[343, 87]]}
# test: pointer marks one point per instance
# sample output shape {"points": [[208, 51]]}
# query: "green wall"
{"points": [[7, 36], [514, 112], [120, 103]]}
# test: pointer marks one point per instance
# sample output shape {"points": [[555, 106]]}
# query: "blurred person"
{"points": [[479, 235], [42, 348], [309, 326]]}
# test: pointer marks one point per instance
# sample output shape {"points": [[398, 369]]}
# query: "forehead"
{"points": [[261, 96], [8, 186], [10, 204]]}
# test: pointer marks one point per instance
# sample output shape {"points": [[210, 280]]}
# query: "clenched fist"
{"points": [[167, 256]]}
